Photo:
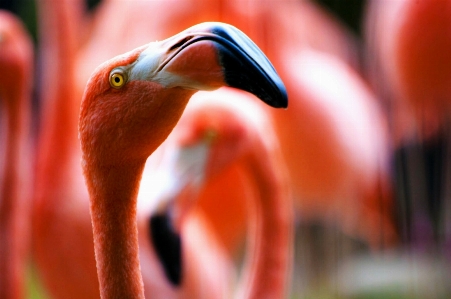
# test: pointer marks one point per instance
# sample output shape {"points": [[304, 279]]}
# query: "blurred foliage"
{"points": [[350, 12], [26, 10], [34, 288], [92, 3]]}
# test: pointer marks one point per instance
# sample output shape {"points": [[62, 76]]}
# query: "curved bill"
{"points": [[208, 56]]}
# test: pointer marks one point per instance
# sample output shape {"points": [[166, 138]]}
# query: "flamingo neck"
{"points": [[13, 206], [113, 192], [268, 269], [60, 23]]}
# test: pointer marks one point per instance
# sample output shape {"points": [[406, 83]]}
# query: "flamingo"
{"points": [[217, 137], [157, 80], [61, 224], [410, 42], [62, 228], [16, 63]]}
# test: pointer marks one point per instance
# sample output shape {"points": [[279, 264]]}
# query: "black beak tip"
{"points": [[272, 93], [246, 67], [280, 98]]}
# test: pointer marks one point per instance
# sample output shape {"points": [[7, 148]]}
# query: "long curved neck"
{"points": [[60, 24], [113, 191], [14, 207], [269, 267]]}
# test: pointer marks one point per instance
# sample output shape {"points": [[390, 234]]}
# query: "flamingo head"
{"points": [[132, 102]]}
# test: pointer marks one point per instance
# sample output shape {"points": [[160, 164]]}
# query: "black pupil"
{"points": [[117, 79]]}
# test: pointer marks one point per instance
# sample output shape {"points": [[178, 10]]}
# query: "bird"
{"points": [[157, 80], [410, 70], [61, 222], [16, 65], [215, 137], [62, 229]]}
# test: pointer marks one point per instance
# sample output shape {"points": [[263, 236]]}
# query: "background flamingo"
{"points": [[16, 65], [61, 223], [410, 69], [217, 137]]}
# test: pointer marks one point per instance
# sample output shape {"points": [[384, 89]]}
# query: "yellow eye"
{"points": [[117, 78], [210, 135]]}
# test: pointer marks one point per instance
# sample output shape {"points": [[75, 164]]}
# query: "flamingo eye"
{"points": [[210, 135], [117, 78]]}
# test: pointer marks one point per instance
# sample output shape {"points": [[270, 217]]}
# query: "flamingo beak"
{"points": [[208, 56]]}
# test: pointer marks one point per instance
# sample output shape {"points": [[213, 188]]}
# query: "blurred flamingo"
{"points": [[409, 42], [16, 65], [339, 161], [217, 138], [62, 229], [15, 92]]}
